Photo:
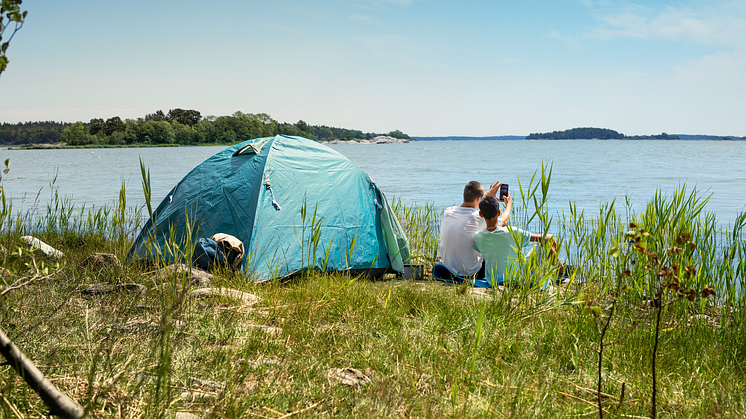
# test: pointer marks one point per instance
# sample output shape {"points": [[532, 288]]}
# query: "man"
{"points": [[458, 227]]}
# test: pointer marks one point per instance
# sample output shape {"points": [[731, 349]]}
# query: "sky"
{"points": [[425, 67]]}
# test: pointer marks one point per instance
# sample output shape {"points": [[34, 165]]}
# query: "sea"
{"points": [[587, 173]]}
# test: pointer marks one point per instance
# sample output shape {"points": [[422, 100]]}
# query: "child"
{"points": [[499, 245]]}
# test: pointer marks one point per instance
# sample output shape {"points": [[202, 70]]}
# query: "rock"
{"points": [[245, 297], [213, 386], [101, 261], [197, 276], [385, 139], [101, 289], [45, 248], [133, 327], [348, 376], [192, 396], [186, 415], [381, 139]]}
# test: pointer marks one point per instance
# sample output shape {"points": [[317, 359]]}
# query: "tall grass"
{"points": [[430, 350]]}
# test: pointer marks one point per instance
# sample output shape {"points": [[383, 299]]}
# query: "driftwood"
{"points": [[58, 403]]}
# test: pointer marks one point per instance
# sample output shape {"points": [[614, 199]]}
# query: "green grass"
{"points": [[430, 350]]}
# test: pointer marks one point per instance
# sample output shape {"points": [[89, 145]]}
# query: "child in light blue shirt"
{"points": [[500, 244]]}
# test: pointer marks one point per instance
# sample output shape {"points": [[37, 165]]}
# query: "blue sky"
{"points": [[426, 67]]}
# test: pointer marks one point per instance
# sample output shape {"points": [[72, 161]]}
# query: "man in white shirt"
{"points": [[458, 227]]}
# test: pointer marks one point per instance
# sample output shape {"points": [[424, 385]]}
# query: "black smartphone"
{"points": [[503, 191]]}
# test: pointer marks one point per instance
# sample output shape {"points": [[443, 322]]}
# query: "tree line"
{"points": [[178, 126], [595, 133]]}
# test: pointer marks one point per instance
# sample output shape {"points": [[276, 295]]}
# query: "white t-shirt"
{"points": [[456, 243]]}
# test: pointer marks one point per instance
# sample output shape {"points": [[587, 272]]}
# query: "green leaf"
{"points": [[614, 252]]}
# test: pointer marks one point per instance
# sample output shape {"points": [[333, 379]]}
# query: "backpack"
{"points": [[219, 250]]}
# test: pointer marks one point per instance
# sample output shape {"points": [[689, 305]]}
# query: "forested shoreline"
{"points": [[177, 127], [608, 134], [595, 134]]}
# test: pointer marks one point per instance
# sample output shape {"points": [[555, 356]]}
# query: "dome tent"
{"points": [[294, 203]]}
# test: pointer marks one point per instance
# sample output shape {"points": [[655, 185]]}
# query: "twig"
{"points": [[13, 408], [300, 411], [579, 399], [18, 285], [594, 392], [58, 403], [272, 410]]}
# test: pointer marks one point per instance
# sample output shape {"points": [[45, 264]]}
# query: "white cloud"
{"points": [[570, 40], [363, 18], [720, 24]]}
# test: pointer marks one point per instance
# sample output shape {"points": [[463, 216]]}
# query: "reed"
{"points": [[429, 350]]}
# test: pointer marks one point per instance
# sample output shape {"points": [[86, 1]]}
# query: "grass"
{"points": [[430, 350]]}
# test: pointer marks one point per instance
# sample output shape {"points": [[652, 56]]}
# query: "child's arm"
{"points": [[503, 220]]}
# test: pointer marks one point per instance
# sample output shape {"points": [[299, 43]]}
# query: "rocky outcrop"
{"points": [[381, 139]]}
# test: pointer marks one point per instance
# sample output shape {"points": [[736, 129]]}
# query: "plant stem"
{"points": [[655, 352]]}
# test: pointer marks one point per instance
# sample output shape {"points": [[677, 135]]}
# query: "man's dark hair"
{"points": [[489, 207], [473, 190]]}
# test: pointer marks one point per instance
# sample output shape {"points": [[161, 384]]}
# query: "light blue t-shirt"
{"points": [[499, 247]]}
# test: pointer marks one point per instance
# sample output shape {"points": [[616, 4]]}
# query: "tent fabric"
{"points": [[294, 203]]}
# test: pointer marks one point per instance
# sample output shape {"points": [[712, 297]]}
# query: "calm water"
{"points": [[587, 172]]}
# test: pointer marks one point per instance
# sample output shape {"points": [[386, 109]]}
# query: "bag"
{"points": [[219, 250], [231, 247], [207, 255]]}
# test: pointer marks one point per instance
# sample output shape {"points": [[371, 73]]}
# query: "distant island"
{"points": [[608, 134], [177, 127]]}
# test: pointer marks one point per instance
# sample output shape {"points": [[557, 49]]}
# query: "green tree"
{"points": [[130, 131], [157, 132], [398, 134], [302, 125], [97, 125], [113, 125], [156, 116], [184, 116], [10, 14], [76, 134], [184, 134]]}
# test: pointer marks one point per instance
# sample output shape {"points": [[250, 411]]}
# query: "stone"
{"points": [[101, 261], [347, 376], [101, 289], [245, 297], [196, 276], [186, 415], [45, 248], [213, 386], [132, 327], [192, 396], [381, 139]]}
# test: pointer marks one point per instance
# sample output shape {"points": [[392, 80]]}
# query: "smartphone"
{"points": [[503, 191]]}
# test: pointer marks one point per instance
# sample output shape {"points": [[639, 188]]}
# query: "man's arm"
{"points": [[494, 188]]}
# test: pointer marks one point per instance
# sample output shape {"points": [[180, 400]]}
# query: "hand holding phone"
{"points": [[503, 191]]}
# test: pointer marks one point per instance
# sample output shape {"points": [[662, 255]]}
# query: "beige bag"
{"points": [[231, 245]]}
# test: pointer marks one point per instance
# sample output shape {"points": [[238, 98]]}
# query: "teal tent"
{"points": [[294, 203]]}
